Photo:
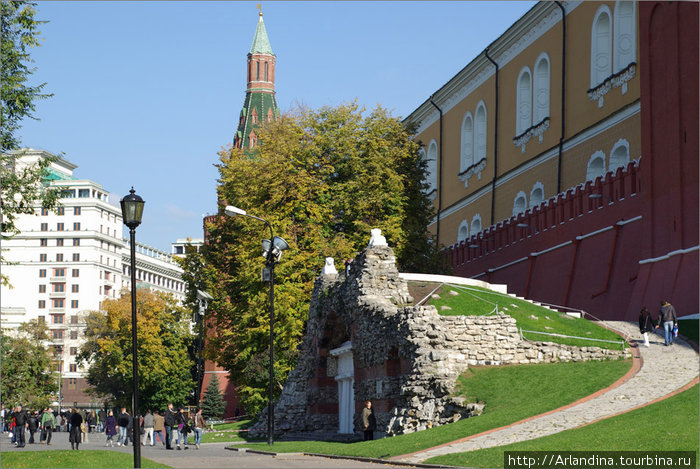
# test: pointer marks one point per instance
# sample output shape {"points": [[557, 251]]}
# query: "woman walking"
{"points": [[198, 424], [110, 428], [646, 324], [76, 421], [47, 423]]}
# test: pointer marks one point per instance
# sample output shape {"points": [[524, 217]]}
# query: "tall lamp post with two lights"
{"points": [[203, 299], [132, 211], [272, 251]]}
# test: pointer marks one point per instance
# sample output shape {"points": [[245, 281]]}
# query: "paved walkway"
{"points": [[664, 370], [211, 455]]}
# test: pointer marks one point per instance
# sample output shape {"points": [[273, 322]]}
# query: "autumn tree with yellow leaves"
{"points": [[164, 339]]}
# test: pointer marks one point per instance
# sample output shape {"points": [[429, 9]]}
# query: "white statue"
{"points": [[329, 267], [377, 239]]}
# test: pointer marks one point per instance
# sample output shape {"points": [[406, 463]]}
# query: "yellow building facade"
{"points": [[552, 103]]}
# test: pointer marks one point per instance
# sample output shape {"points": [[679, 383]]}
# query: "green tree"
{"points": [[21, 185], [322, 179], [163, 338], [213, 405], [27, 371], [20, 33]]}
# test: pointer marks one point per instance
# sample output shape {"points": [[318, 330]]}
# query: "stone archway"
{"points": [[345, 376]]}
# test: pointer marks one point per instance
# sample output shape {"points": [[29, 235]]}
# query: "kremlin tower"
{"points": [[260, 104]]}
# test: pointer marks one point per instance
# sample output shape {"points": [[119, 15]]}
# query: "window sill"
{"points": [[477, 168], [616, 80], [536, 130]]}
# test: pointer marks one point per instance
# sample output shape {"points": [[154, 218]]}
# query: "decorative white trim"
{"points": [[517, 261], [343, 349], [465, 225], [472, 230], [533, 201], [535, 254], [519, 196], [598, 155], [472, 170], [593, 233], [453, 281], [615, 80], [584, 136], [669, 255], [509, 46], [534, 131]]}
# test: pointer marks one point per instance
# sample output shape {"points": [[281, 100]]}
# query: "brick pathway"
{"points": [[664, 371]]}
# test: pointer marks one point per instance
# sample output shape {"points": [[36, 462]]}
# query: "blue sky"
{"points": [[147, 93]]}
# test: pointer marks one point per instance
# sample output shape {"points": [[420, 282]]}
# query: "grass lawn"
{"points": [[669, 425], [511, 393], [689, 328], [88, 458], [475, 301], [224, 432]]}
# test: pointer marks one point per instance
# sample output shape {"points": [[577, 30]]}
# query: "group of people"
{"points": [[667, 319], [153, 427], [17, 422]]}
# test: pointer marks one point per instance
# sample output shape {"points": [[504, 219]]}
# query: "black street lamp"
{"points": [[203, 299], [272, 251], [132, 210]]}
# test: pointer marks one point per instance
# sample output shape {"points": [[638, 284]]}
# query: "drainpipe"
{"points": [[495, 144], [439, 207], [563, 94]]}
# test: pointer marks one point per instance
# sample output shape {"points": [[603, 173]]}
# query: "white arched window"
{"points": [[601, 47], [432, 166], [467, 154], [541, 89], [524, 98], [625, 42], [596, 166], [520, 203], [463, 232], [475, 226], [537, 194], [480, 132], [620, 154]]}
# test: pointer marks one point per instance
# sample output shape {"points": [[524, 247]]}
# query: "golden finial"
{"points": [[259, 7]]}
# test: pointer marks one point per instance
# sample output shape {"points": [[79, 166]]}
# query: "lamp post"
{"points": [[203, 299], [272, 251], [132, 210]]}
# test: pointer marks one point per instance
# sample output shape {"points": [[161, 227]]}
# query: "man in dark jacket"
{"points": [[169, 424], [667, 318], [20, 425], [33, 425], [123, 423]]}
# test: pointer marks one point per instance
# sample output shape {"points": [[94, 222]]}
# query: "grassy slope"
{"points": [[476, 301], [638, 430], [69, 458], [689, 328], [222, 432], [511, 393]]}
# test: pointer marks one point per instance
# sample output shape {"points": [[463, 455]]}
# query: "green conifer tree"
{"points": [[213, 406]]}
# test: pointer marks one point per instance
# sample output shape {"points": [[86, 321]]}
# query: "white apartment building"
{"points": [[64, 263]]}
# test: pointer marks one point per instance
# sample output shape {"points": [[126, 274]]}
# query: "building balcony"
{"points": [[57, 294], [57, 310], [57, 279]]}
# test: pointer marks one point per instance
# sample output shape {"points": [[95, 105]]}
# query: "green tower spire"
{"points": [[260, 104]]}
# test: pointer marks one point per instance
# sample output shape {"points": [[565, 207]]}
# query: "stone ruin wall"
{"points": [[406, 357]]}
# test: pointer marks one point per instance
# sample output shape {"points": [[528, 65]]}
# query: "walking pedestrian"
{"points": [[667, 318], [158, 428], [148, 423], [123, 423], [646, 324], [47, 424], [110, 428], [169, 424], [182, 428], [20, 425], [76, 421], [198, 425], [32, 425]]}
